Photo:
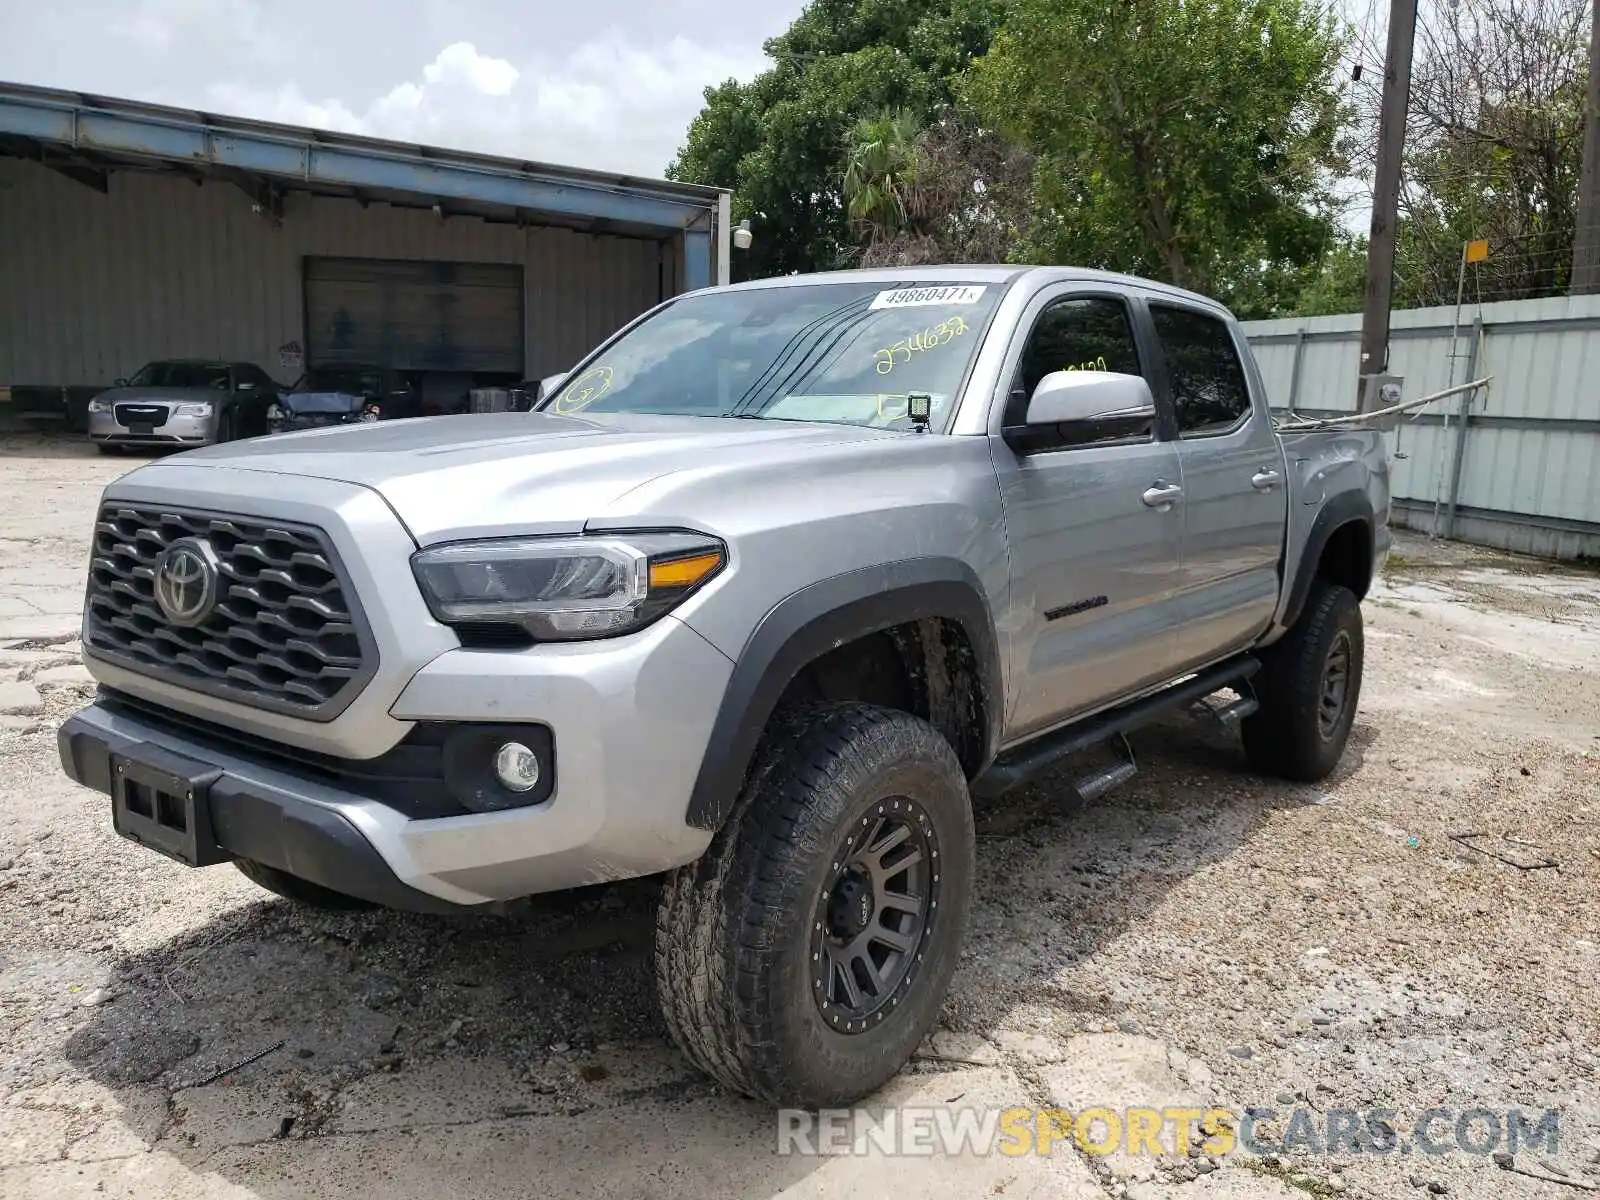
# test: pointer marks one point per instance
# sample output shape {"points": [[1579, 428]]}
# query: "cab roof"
{"points": [[975, 273]]}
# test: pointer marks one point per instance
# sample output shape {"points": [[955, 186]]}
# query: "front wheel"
{"points": [[802, 960], [1309, 686]]}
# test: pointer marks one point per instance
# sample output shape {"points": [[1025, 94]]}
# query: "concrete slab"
{"points": [[65, 675], [19, 698], [1226, 1184], [1121, 1071]]}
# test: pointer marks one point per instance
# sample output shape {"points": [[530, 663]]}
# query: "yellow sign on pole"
{"points": [[1477, 250]]}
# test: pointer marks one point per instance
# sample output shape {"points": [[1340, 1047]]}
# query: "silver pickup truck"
{"points": [[763, 592]]}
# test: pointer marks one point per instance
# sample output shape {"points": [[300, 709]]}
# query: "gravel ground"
{"points": [[1199, 936]]}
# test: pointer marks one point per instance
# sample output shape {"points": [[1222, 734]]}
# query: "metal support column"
{"points": [[1294, 372], [1461, 431]]}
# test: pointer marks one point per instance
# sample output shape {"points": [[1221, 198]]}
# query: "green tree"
{"points": [[1189, 140], [880, 174], [1493, 149], [781, 141], [948, 192], [1340, 283]]}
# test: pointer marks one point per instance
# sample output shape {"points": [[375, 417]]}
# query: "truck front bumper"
{"points": [[216, 808], [629, 720]]}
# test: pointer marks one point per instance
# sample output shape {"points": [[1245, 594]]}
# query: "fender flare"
{"points": [[1341, 510], [819, 617]]}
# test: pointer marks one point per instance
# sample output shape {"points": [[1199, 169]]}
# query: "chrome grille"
{"points": [[284, 634], [154, 415]]}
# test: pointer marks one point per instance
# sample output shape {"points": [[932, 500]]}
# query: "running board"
{"points": [[1226, 716], [1102, 779], [1022, 763]]}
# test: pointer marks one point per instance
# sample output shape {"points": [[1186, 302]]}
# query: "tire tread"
{"points": [[715, 923], [1282, 737]]}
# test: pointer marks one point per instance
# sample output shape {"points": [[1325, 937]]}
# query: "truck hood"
{"points": [[486, 474], [321, 402]]}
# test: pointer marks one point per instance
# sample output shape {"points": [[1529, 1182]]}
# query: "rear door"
{"points": [[1235, 502], [1094, 563]]}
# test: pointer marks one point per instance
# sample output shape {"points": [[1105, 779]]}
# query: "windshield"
{"points": [[360, 380], [181, 375], [850, 353]]}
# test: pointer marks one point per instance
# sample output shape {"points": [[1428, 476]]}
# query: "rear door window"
{"points": [[1208, 384]]}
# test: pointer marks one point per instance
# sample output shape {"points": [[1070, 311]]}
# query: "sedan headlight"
{"points": [[99, 404], [202, 409], [560, 589]]}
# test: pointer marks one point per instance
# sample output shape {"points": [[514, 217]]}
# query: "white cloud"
{"points": [[461, 61], [610, 104]]}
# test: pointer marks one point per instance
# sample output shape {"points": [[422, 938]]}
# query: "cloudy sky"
{"points": [[608, 84]]}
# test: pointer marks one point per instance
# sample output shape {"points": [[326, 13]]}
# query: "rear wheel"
{"points": [[1309, 686], [803, 959], [292, 887]]}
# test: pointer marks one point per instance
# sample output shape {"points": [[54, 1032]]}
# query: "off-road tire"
{"points": [[292, 887], [734, 930], [1288, 736]]}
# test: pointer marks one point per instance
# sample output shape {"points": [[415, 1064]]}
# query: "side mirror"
{"points": [[120, 382], [551, 382], [1075, 408]]}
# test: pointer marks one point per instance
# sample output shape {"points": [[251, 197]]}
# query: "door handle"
{"points": [[1265, 481], [1160, 495]]}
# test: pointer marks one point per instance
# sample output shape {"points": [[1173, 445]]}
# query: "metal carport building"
{"points": [[131, 232]]}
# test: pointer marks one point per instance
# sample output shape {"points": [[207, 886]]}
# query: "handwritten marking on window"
{"points": [[584, 390], [923, 340], [1094, 364]]}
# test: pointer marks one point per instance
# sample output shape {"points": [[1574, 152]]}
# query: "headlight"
{"points": [[99, 405], [370, 413], [275, 412], [202, 409], [560, 589]]}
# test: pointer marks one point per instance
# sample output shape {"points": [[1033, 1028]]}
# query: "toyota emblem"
{"points": [[186, 581]]}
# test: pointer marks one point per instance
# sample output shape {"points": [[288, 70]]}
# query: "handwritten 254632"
{"points": [[933, 336]]}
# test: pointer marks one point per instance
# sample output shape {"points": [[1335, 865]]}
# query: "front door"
{"points": [[1235, 500], [1094, 547]]}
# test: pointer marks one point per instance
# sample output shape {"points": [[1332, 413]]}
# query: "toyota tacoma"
{"points": [[756, 599]]}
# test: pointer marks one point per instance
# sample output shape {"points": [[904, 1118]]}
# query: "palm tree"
{"points": [[880, 174]]}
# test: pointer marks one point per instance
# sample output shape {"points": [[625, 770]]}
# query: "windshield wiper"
{"points": [[818, 326]]}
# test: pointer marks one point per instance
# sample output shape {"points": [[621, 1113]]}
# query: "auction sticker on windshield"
{"points": [[924, 297]]}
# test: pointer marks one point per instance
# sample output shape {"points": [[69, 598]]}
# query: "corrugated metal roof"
{"points": [[89, 133]]}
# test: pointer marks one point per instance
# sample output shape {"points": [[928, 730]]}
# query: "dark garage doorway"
{"points": [[463, 318]]}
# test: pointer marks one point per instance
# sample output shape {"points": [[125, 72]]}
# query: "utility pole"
{"points": [[1586, 237], [1386, 193]]}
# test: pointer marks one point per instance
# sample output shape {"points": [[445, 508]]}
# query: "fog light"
{"points": [[517, 767], [497, 768]]}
